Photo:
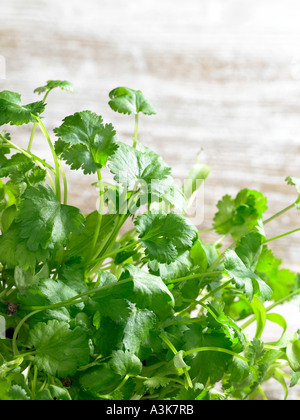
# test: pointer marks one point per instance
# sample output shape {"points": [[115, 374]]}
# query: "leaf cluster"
{"points": [[93, 312]]}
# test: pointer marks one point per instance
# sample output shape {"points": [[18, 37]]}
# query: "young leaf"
{"points": [[84, 142], [296, 183], [59, 350], [12, 111], [129, 101], [165, 236], [240, 215], [53, 84]]}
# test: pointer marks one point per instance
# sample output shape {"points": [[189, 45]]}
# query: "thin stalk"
{"points": [[35, 126], [136, 130], [194, 303], [73, 301], [55, 158], [283, 235], [214, 291], [195, 276], [279, 213], [31, 137], [100, 213], [262, 393], [5, 291], [174, 351], [216, 349], [65, 182], [16, 332], [122, 383], [269, 308], [117, 251], [34, 382]]}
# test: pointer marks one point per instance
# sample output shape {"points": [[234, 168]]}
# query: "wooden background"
{"points": [[224, 76]]}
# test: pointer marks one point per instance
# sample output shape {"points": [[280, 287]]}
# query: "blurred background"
{"points": [[224, 76]]}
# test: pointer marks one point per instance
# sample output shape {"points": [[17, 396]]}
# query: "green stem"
{"points": [[262, 393], [16, 332], [34, 128], [136, 130], [75, 300], [65, 182], [32, 137], [269, 308], [174, 351], [217, 349], [34, 382], [100, 213], [5, 291], [122, 383], [195, 276], [117, 251], [283, 235], [168, 343], [214, 291], [55, 158], [280, 213]]}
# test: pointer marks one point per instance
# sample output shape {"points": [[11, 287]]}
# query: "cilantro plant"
{"points": [[92, 312]]}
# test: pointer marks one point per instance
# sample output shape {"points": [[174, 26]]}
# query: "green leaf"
{"points": [[24, 278], [165, 236], [137, 328], [53, 393], [101, 379], [14, 251], [126, 333], [157, 382], [42, 220], [177, 269], [296, 183], [80, 243], [50, 292], [281, 281], [59, 350], [12, 111], [249, 249], [53, 84], [85, 142], [293, 354], [133, 167], [125, 363], [146, 290], [129, 101], [207, 364], [244, 278], [240, 215], [179, 363]]}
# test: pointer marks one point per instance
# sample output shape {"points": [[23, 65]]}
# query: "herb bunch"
{"points": [[93, 313]]}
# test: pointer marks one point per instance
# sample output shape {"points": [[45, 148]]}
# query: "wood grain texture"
{"points": [[224, 76]]}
